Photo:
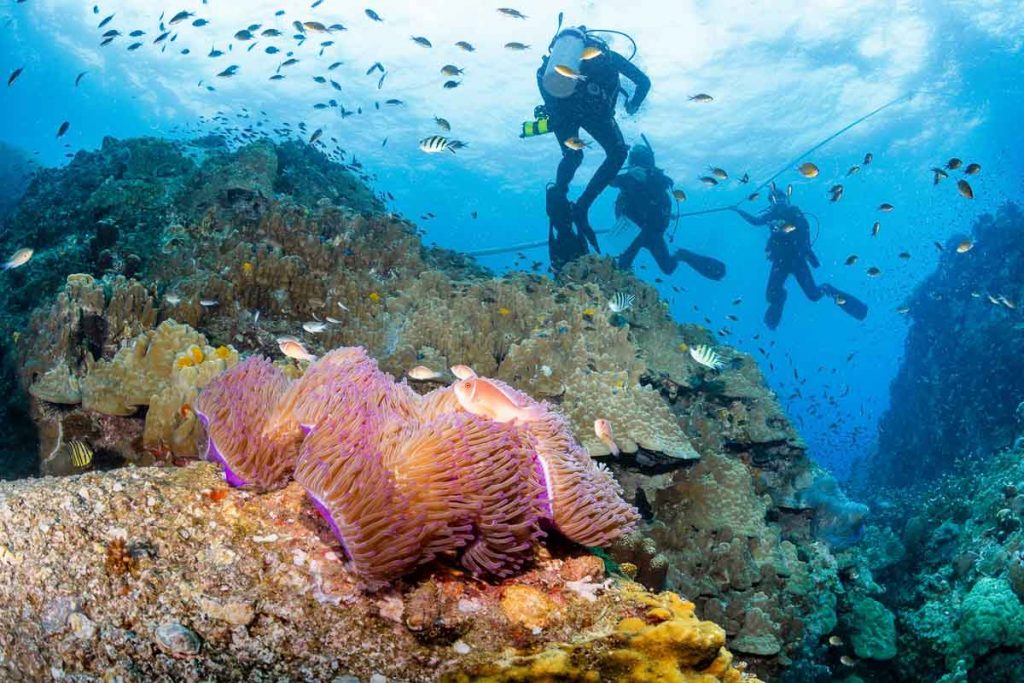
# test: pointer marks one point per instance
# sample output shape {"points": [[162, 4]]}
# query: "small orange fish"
{"points": [[808, 170], [463, 371], [603, 430], [18, 258], [422, 373], [482, 397], [185, 411], [293, 348]]}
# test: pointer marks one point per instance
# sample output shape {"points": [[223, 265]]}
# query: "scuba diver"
{"points": [[579, 82], [645, 200], [789, 250]]}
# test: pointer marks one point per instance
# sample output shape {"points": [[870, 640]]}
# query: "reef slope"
{"points": [[142, 574]]}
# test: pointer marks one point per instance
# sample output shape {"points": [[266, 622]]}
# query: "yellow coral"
{"points": [[527, 606], [222, 353], [197, 355], [669, 645]]}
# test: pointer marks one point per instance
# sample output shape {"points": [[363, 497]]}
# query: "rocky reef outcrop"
{"points": [[958, 389], [935, 590], [192, 256], [150, 574], [937, 587]]}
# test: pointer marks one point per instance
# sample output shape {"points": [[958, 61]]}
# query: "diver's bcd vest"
{"points": [[646, 200]]}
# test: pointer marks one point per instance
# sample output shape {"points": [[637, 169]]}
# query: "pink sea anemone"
{"points": [[248, 436], [403, 479]]}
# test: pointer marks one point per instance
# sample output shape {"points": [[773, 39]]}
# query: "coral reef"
{"points": [[164, 574], [964, 316], [280, 241], [945, 566]]}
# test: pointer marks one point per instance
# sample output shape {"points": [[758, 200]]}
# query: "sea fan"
{"points": [[255, 442], [621, 301], [707, 357]]}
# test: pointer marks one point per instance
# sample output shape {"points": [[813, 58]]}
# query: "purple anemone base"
{"points": [[213, 455], [326, 514], [229, 475]]}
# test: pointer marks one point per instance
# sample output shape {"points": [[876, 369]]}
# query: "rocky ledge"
{"points": [[145, 574]]}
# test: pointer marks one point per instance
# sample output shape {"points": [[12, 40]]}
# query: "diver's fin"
{"points": [[582, 221], [851, 305], [711, 268]]}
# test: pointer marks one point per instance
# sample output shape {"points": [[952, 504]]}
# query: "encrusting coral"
{"points": [[402, 479], [663, 642]]}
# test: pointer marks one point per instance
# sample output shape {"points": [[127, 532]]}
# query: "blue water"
{"points": [[784, 78]]}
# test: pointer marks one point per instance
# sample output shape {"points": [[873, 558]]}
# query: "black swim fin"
{"points": [[582, 220], [850, 304], [711, 268]]}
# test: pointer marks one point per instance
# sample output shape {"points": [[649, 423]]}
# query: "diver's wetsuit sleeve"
{"points": [[754, 220], [638, 77]]}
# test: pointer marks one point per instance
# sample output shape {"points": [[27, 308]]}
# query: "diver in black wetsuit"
{"points": [[789, 250], [644, 199], [590, 106]]}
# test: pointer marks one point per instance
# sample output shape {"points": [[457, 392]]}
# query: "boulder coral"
{"points": [[402, 479]]}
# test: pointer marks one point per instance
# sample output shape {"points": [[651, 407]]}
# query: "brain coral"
{"points": [[403, 478]]}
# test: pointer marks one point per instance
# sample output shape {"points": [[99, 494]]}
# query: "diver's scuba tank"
{"points": [[539, 125], [566, 50]]}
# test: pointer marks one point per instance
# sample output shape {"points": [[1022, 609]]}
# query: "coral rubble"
{"points": [[163, 574]]}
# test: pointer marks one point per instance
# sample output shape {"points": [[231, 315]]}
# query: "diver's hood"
{"points": [[642, 156], [777, 197]]}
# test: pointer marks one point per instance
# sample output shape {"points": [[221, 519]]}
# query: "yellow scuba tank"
{"points": [[539, 125]]}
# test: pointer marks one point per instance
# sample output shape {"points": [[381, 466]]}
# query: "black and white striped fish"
{"points": [[436, 144]]}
